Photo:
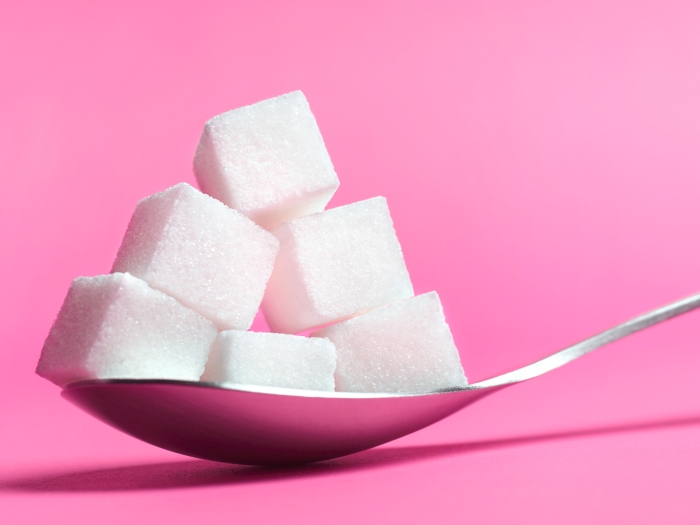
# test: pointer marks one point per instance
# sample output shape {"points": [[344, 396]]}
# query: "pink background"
{"points": [[542, 164]]}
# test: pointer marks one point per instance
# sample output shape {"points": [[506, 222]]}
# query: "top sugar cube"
{"points": [[267, 161]]}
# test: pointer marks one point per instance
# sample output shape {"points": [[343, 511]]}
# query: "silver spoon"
{"points": [[278, 426]]}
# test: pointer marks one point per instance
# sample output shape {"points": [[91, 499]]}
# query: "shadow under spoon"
{"points": [[278, 426]]}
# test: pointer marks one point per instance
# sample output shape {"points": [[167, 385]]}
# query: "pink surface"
{"points": [[541, 163]]}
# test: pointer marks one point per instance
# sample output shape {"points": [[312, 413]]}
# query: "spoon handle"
{"points": [[593, 343]]}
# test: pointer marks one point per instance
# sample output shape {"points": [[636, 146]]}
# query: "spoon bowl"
{"points": [[278, 426], [261, 426]]}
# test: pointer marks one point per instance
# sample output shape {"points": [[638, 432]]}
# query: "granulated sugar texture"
{"points": [[116, 326], [209, 257], [280, 360], [193, 263], [267, 160], [333, 265], [404, 347]]}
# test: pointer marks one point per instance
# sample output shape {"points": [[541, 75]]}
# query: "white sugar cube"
{"points": [[404, 347], [267, 160], [116, 326], [333, 265], [265, 359], [207, 256]]}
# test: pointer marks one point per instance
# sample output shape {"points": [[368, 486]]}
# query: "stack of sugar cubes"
{"points": [[195, 267]]}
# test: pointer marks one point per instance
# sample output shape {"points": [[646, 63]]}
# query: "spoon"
{"points": [[256, 425]]}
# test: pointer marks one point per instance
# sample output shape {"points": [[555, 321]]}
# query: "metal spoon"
{"points": [[278, 426]]}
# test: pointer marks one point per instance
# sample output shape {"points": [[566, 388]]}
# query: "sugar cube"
{"points": [[266, 359], [267, 160], [333, 265], [116, 326], [207, 256], [403, 347]]}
